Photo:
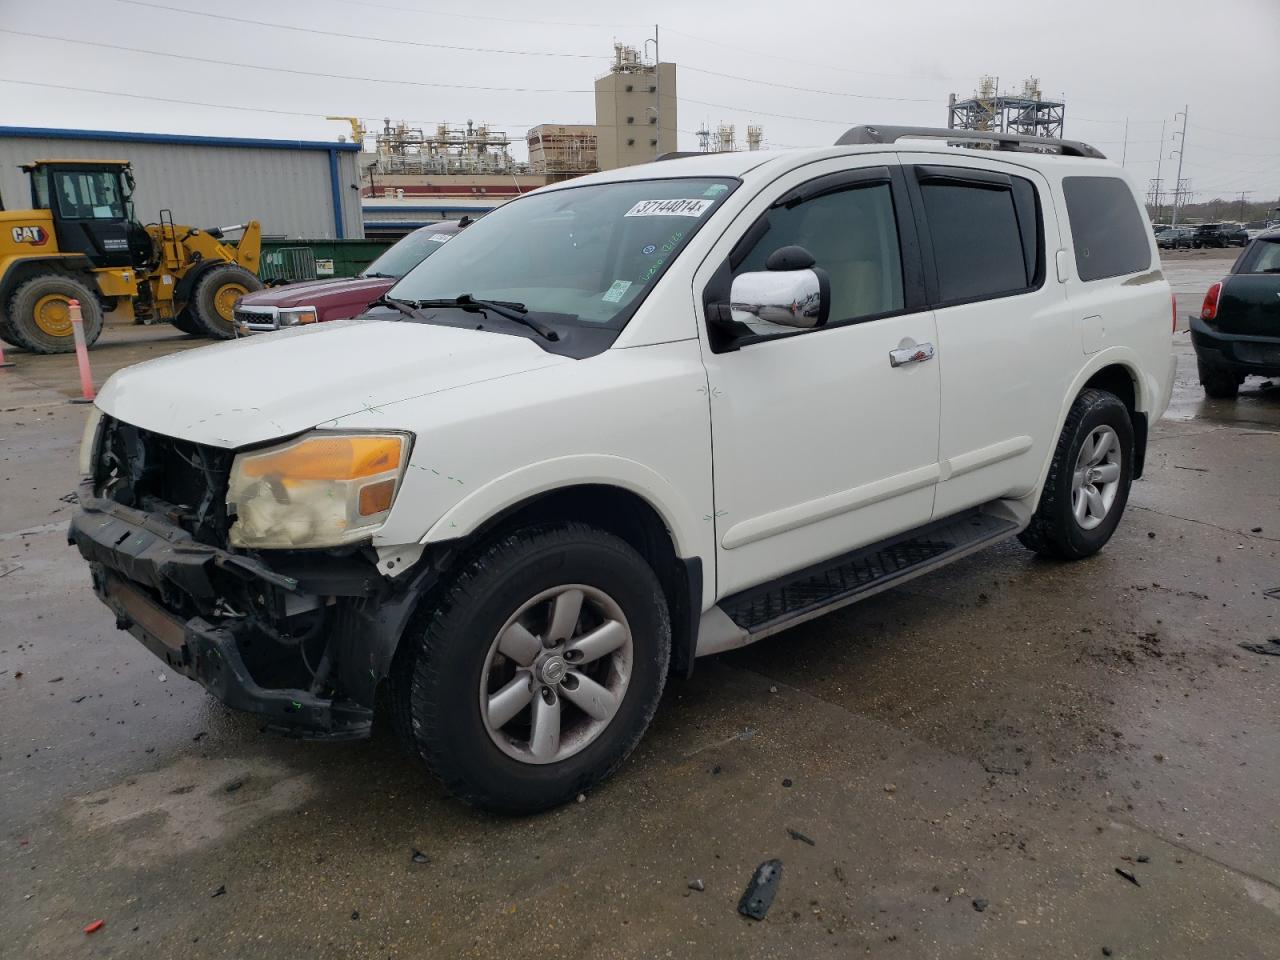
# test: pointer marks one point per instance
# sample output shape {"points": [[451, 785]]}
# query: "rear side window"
{"points": [[1108, 231], [986, 236], [1263, 256]]}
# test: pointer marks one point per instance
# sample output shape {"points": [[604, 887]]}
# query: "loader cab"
{"points": [[92, 212]]}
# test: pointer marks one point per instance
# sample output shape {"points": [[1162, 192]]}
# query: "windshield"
{"points": [[589, 254], [89, 194], [407, 252]]}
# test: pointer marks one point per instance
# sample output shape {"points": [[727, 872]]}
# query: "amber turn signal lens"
{"points": [[329, 458], [376, 497]]}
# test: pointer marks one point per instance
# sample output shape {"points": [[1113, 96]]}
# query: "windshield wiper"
{"points": [[515, 312], [404, 306], [379, 276]]}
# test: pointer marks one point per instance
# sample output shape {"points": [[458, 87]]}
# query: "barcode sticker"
{"points": [[670, 208]]}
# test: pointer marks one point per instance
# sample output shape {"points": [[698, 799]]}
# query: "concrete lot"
{"points": [[1008, 730]]}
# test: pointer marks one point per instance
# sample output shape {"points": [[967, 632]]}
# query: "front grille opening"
{"points": [[185, 481]]}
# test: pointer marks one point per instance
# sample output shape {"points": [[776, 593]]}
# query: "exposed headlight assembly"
{"points": [[89, 441], [323, 489]]}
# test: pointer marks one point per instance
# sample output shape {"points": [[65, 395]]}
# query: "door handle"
{"points": [[917, 354]]}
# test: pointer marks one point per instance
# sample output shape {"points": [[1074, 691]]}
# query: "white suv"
{"points": [[626, 421]]}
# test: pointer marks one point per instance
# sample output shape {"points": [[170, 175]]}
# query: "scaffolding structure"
{"points": [[473, 149], [1026, 113], [563, 151], [724, 138]]}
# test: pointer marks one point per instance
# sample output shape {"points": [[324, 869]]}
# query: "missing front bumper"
{"points": [[136, 557]]}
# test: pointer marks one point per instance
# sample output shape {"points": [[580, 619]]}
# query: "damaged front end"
{"points": [[300, 637]]}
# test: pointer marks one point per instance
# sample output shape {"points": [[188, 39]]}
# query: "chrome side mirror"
{"points": [[786, 298]]}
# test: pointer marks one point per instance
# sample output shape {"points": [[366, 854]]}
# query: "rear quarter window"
{"points": [[1107, 229]]}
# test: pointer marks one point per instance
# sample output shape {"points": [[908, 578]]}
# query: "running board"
{"points": [[766, 609]]}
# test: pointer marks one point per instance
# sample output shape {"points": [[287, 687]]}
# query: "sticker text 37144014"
{"points": [[670, 208]]}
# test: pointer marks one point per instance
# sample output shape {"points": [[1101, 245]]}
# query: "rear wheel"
{"points": [[212, 305], [533, 675], [1088, 484], [1218, 383], [39, 314]]}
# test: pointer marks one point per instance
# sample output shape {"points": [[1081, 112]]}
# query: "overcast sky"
{"points": [[888, 61]]}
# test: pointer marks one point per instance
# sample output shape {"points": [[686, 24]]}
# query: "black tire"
{"points": [[45, 293], [209, 308], [439, 676], [1219, 384], [1054, 530], [186, 323]]}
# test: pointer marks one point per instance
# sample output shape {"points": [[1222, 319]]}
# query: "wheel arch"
{"points": [[619, 496], [1118, 371], [16, 270]]}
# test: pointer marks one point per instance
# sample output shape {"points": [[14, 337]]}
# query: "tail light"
{"points": [[1209, 309]]}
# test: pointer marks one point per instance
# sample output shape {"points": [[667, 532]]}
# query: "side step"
{"points": [[805, 594]]}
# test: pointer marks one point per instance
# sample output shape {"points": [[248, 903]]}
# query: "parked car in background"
{"points": [[1219, 235], [1175, 238], [493, 503], [1238, 331], [316, 301]]}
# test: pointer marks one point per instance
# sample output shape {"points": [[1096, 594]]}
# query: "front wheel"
{"points": [[536, 671], [212, 306], [1088, 484]]}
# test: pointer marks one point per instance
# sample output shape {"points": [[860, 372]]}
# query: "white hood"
{"points": [[263, 387]]}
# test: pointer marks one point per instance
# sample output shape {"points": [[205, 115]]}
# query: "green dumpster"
{"points": [[285, 261]]}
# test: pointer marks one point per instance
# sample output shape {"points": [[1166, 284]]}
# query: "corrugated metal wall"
{"points": [[288, 189]]}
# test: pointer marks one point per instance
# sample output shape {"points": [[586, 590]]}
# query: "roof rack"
{"points": [[1001, 141]]}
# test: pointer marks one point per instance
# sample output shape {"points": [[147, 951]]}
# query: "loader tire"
{"points": [[39, 316], [213, 301], [186, 323]]}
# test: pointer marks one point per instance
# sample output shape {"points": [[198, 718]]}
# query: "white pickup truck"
{"points": [[626, 421]]}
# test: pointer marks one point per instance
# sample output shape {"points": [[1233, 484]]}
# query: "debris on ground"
{"points": [[1106, 951], [1143, 858], [786, 781], [355, 914], [200, 736], [697, 885], [233, 786], [95, 926], [56, 680], [797, 835], [582, 798], [419, 856], [758, 896], [162, 678], [1271, 648], [1128, 876], [980, 904], [1256, 530], [79, 698], [220, 892], [890, 788]]}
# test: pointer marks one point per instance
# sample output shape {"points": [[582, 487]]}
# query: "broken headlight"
{"points": [[89, 441], [321, 490]]}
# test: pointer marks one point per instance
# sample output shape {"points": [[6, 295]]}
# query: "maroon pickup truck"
{"points": [[315, 301]]}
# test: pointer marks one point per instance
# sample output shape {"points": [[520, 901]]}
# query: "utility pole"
{"points": [[657, 93], [1182, 146], [1159, 164], [1243, 194], [1125, 153]]}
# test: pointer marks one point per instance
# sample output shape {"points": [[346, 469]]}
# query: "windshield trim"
{"points": [[623, 317]]}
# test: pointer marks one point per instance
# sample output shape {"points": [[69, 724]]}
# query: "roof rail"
{"points": [[1001, 141]]}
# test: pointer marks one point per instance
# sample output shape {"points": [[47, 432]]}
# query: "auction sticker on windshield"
{"points": [[670, 208]]}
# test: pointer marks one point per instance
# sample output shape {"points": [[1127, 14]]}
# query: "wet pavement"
{"points": [[1007, 730]]}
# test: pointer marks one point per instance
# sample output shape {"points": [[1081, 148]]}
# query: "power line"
{"points": [[359, 36], [219, 106], [476, 16], [784, 86], [301, 73]]}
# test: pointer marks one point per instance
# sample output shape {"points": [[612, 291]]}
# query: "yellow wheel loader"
{"points": [[82, 242]]}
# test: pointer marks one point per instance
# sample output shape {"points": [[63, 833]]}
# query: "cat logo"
{"points": [[35, 236]]}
